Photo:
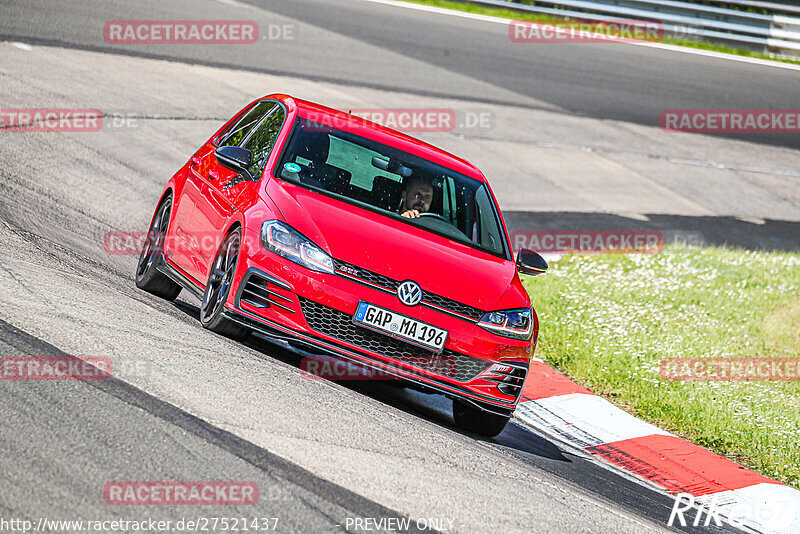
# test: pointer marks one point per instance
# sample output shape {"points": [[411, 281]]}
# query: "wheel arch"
{"points": [[167, 192]]}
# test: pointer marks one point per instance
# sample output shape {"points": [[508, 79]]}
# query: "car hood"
{"points": [[399, 250]]}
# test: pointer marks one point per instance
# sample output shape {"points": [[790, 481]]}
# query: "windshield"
{"points": [[391, 182]]}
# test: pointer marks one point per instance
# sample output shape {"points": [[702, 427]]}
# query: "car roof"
{"points": [[371, 130]]}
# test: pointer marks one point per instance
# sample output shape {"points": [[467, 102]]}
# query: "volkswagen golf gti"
{"points": [[338, 237]]}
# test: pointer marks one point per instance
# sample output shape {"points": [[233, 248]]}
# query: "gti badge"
{"points": [[409, 293], [348, 270]]}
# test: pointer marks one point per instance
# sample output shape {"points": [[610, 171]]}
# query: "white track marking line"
{"points": [[661, 46]]}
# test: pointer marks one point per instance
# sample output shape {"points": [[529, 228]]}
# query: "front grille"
{"points": [[368, 276], [339, 325], [392, 285], [452, 305]]}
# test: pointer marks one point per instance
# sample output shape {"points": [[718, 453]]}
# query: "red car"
{"points": [[337, 236]]}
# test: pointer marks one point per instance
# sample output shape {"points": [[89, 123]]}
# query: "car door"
{"points": [[223, 187], [179, 248], [184, 249]]}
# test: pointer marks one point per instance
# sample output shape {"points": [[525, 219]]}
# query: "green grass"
{"points": [[518, 15], [607, 321]]}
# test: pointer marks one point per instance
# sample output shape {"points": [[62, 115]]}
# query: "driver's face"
{"points": [[419, 196]]}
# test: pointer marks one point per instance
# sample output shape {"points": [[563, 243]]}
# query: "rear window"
{"points": [[391, 182]]}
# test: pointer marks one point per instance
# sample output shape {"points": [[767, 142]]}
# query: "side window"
{"points": [[488, 232], [242, 127], [262, 139]]}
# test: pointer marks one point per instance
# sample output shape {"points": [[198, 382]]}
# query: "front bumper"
{"points": [[312, 312]]}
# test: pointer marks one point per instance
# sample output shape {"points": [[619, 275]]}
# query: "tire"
{"points": [[476, 421], [218, 287], [148, 277]]}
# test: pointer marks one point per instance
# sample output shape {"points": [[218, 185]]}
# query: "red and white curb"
{"points": [[554, 405]]}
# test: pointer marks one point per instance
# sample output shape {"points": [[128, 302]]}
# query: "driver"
{"points": [[416, 197]]}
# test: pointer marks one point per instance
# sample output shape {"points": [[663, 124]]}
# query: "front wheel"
{"points": [[472, 419], [148, 276], [220, 282]]}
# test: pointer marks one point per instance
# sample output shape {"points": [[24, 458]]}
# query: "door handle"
{"points": [[212, 175]]}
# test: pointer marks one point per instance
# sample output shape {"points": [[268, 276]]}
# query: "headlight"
{"points": [[285, 241], [516, 324]]}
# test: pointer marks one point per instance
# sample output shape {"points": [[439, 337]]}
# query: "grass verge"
{"points": [[519, 15], [607, 321]]}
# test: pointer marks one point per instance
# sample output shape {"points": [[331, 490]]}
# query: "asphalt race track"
{"points": [[572, 130]]}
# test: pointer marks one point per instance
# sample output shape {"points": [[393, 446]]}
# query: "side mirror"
{"points": [[236, 159], [530, 262]]}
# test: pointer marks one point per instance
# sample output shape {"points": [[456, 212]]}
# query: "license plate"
{"points": [[400, 327]]}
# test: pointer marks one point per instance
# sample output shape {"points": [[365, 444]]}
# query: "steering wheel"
{"points": [[434, 215]]}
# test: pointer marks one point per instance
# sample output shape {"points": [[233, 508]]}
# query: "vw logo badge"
{"points": [[409, 293]]}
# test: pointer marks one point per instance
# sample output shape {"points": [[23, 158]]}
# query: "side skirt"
{"points": [[179, 278]]}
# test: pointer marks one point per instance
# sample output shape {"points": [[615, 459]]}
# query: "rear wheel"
{"points": [[472, 419], [148, 277], [220, 282]]}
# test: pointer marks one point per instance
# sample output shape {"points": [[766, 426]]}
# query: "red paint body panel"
{"points": [[400, 250], [205, 210]]}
